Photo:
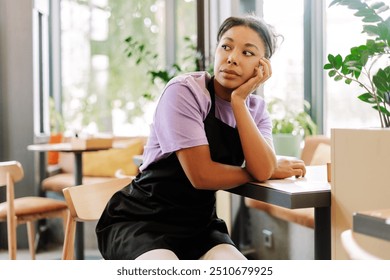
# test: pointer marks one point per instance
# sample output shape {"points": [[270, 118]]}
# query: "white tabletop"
{"points": [[315, 180]]}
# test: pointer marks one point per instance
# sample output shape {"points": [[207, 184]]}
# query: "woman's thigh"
{"points": [[223, 252], [158, 254]]}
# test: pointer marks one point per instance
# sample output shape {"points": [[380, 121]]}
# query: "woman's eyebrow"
{"points": [[250, 45]]}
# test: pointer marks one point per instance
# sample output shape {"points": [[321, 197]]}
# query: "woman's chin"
{"points": [[230, 84]]}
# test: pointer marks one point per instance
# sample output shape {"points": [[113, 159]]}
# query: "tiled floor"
{"points": [[53, 251], [51, 254], [54, 237]]}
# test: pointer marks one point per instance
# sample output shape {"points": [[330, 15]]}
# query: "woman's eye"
{"points": [[225, 47], [247, 53]]}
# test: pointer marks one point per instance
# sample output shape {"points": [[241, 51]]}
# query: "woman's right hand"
{"points": [[260, 74]]}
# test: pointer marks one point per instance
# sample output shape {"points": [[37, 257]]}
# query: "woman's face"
{"points": [[238, 53]]}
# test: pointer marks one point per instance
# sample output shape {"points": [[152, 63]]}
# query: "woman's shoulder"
{"points": [[194, 84], [188, 91], [195, 81]]}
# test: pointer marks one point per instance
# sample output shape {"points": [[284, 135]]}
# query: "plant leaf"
{"points": [[377, 5], [367, 97], [371, 30], [363, 13], [328, 66], [332, 73], [348, 81], [381, 109], [334, 2], [331, 59], [338, 62], [372, 18]]}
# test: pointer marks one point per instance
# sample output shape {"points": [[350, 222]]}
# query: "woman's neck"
{"points": [[222, 92]]}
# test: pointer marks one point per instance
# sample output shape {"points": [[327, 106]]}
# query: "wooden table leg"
{"points": [[322, 234], [79, 240]]}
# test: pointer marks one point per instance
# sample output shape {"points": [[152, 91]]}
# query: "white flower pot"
{"points": [[287, 144]]}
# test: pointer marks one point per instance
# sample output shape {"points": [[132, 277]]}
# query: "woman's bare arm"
{"points": [[204, 173]]}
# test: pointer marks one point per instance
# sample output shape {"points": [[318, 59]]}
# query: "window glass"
{"points": [[103, 88], [343, 31], [287, 63], [186, 34]]}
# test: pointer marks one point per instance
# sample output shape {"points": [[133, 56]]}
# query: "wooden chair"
{"points": [[316, 150], [353, 249], [86, 203], [24, 210]]}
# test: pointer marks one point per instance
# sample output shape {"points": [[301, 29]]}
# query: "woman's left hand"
{"points": [[287, 168]]}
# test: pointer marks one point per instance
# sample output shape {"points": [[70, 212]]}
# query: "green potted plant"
{"points": [[289, 126], [360, 155], [364, 64]]}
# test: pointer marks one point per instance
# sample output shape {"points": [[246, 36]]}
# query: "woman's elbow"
{"points": [[199, 182], [263, 174]]}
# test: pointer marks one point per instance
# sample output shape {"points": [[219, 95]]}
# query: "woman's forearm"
{"points": [[204, 173], [259, 156]]}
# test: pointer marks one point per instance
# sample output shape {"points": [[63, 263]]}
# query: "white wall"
{"points": [[16, 88]]}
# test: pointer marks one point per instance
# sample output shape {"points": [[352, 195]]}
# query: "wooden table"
{"points": [[78, 180], [311, 191]]}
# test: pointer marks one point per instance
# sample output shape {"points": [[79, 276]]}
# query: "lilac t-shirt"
{"points": [[181, 110]]}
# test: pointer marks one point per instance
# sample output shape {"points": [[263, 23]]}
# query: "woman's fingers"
{"points": [[265, 69]]}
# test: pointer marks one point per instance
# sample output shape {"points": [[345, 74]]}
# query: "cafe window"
{"points": [[287, 63], [102, 87]]}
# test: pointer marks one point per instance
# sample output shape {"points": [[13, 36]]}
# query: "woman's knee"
{"points": [[223, 252], [158, 254]]}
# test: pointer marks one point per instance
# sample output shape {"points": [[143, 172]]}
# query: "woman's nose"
{"points": [[232, 59]]}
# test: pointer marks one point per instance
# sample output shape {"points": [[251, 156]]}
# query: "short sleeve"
{"points": [[259, 112], [178, 120]]}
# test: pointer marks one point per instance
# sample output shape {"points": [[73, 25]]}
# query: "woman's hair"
{"points": [[265, 31]]}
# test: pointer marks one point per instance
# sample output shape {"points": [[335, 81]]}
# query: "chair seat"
{"points": [[57, 183], [304, 216], [32, 206]]}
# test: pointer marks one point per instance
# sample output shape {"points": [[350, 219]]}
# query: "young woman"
{"points": [[209, 133]]}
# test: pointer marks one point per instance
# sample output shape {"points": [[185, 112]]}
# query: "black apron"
{"points": [[160, 209]]}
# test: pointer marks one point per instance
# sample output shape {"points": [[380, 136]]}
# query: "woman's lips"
{"points": [[230, 72]]}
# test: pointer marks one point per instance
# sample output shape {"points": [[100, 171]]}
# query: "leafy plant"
{"points": [[289, 121], [360, 65], [140, 53]]}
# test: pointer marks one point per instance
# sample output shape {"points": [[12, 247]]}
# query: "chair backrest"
{"points": [[87, 202], [13, 168], [353, 249], [10, 173], [312, 143]]}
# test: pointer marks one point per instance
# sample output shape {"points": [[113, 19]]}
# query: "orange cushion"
{"points": [[106, 163], [31, 205]]}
